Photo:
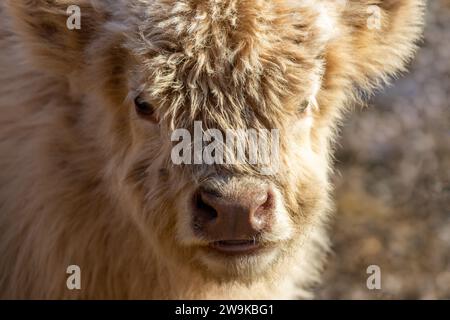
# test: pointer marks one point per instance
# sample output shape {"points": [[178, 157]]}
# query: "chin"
{"points": [[234, 265]]}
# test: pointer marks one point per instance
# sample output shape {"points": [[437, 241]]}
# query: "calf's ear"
{"points": [[376, 39], [55, 32]]}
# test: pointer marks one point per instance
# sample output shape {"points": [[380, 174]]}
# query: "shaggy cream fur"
{"points": [[85, 181]]}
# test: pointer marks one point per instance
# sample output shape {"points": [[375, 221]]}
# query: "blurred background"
{"points": [[393, 182]]}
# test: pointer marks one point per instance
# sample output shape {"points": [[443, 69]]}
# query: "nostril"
{"points": [[269, 202], [261, 199], [205, 209], [264, 208]]}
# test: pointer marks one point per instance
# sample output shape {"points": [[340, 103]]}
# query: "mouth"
{"points": [[238, 259], [236, 247]]}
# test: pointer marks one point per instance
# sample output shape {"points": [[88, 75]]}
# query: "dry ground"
{"points": [[393, 182]]}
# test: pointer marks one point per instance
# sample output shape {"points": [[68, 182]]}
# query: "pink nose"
{"points": [[238, 217]]}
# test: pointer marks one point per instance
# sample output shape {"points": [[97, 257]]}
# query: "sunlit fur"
{"points": [[85, 181]]}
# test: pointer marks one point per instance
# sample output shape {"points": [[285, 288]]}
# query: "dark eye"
{"points": [[304, 106], [145, 109]]}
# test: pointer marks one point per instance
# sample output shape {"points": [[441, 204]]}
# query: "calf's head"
{"points": [[171, 83]]}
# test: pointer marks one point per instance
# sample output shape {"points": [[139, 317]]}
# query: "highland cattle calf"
{"points": [[102, 166]]}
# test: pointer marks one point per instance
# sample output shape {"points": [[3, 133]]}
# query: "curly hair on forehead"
{"points": [[222, 58]]}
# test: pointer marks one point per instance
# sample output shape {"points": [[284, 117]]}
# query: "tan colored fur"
{"points": [[84, 181]]}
